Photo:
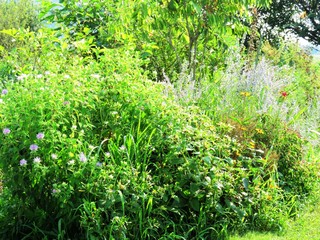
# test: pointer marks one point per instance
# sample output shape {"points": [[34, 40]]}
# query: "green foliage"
{"points": [[92, 149], [16, 14], [279, 18], [166, 32]]}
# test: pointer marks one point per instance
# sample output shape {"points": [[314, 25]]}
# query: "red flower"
{"points": [[284, 94]]}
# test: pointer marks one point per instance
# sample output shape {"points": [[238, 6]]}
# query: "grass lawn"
{"points": [[305, 227]]}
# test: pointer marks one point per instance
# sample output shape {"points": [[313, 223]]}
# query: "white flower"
{"points": [[71, 162], [37, 160]]}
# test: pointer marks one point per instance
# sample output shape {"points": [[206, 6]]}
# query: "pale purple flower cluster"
{"points": [[23, 162], [82, 157], [99, 164], [40, 135], [4, 91], [6, 131], [34, 147]]}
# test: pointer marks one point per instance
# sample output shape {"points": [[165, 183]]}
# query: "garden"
{"points": [[153, 120]]}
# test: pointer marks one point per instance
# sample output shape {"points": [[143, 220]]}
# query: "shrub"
{"points": [[95, 150], [16, 14]]}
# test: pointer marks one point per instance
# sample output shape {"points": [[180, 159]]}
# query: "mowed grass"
{"points": [[304, 227]]}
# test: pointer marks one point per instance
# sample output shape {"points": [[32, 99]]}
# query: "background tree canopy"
{"points": [[301, 17]]}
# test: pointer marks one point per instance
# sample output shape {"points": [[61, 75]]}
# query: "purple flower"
{"points": [[23, 162], [34, 147], [55, 191], [82, 157], [6, 131], [40, 135], [66, 103], [4, 91], [99, 164]]}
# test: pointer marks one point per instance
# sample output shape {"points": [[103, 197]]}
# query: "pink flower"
{"points": [[23, 162], [34, 147], [40, 135], [6, 131]]}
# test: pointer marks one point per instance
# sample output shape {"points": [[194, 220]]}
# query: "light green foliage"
{"points": [[16, 14], [92, 149], [166, 32], [120, 158], [198, 32]]}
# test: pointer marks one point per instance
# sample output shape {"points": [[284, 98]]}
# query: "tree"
{"points": [[301, 17], [16, 14], [167, 33]]}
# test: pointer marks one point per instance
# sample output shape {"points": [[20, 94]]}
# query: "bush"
{"points": [[16, 14], [95, 150]]}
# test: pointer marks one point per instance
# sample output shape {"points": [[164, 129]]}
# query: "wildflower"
{"points": [[245, 94], [37, 160], [269, 197], [54, 156], [71, 155], [47, 72], [4, 92], [6, 131], [71, 162], [67, 76], [34, 147], [284, 94], [56, 191], [122, 148], [260, 131], [97, 76], [66, 103], [99, 164], [23, 162], [108, 154], [39, 76], [82, 157], [21, 77], [1, 100], [40, 135]]}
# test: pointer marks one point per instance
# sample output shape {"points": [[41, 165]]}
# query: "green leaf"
{"points": [[196, 7], [207, 160], [245, 182], [195, 205]]}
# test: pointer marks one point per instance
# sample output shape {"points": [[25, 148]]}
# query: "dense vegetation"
{"points": [[151, 120]]}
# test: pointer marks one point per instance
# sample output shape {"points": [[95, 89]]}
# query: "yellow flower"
{"points": [[252, 144], [245, 94], [260, 131]]}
